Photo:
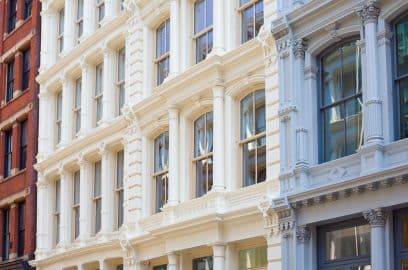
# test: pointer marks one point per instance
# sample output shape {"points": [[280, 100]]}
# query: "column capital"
{"points": [[369, 11], [81, 160], [84, 63], [103, 149], [173, 112], [376, 217], [303, 234], [61, 170], [299, 48], [107, 51]]}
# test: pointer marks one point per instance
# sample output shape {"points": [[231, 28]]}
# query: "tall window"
{"points": [[98, 92], [163, 51], [100, 7], [119, 187], [344, 245], [10, 81], [161, 169], [23, 144], [57, 211], [77, 104], [97, 196], [203, 28], [401, 239], [12, 15], [253, 140], [21, 228], [61, 18], [80, 18], [8, 153], [28, 4], [252, 18], [340, 104], [205, 263], [401, 75], [121, 79], [76, 201], [6, 234], [58, 118], [253, 258], [26, 69], [203, 153]]}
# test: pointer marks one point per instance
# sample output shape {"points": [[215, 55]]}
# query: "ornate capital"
{"points": [[369, 11], [303, 234], [299, 48], [376, 217]]}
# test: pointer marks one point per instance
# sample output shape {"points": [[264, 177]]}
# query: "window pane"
{"points": [[120, 208], [248, 24], [260, 121], [77, 187], [21, 229], [76, 220], [59, 106], [349, 70], [57, 196], [209, 132], [259, 16], [404, 264], [402, 47], [348, 242], [161, 40], [160, 267], [121, 65], [405, 232], [201, 48], [80, 9], [119, 172], [161, 191], [243, 2], [99, 76], [205, 263], [334, 133], [201, 176], [78, 88], [354, 133], [209, 41], [199, 137], [361, 267], [332, 78], [98, 218], [252, 258], [247, 117], [97, 183], [163, 70], [209, 13], [161, 150], [403, 99], [249, 156], [199, 16], [261, 160]]}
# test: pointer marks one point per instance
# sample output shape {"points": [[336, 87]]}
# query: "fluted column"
{"points": [[109, 90], [174, 38], [174, 196], [42, 213], [45, 134], [86, 98], [69, 25], [67, 106], [47, 54], [303, 234], [89, 17], [66, 203], [219, 256], [219, 143], [377, 219], [85, 194], [174, 261], [107, 189], [219, 27]]}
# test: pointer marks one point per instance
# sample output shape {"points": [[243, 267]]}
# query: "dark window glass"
{"points": [[119, 267], [253, 128], [401, 239], [26, 69], [10, 81], [6, 234], [163, 51], [101, 9], [341, 103], [119, 187], [161, 170], [21, 228], [77, 105], [57, 209], [80, 18], [97, 195], [205, 263], [160, 267], [203, 21], [61, 18], [402, 75], [27, 8], [76, 202], [121, 79], [23, 144], [99, 92], [252, 19], [8, 153], [12, 15]]}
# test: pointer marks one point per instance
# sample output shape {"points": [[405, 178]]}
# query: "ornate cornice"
{"points": [[369, 12], [376, 217]]}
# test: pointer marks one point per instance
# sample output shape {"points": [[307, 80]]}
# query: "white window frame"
{"points": [[60, 34], [100, 5], [97, 198], [77, 105], [160, 58], [119, 190], [203, 32], [120, 84], [241, 10], [57, 211], [79, 21], [58, 117], [76, 204], [98, 94]]}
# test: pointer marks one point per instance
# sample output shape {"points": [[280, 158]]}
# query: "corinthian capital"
{"points": [[303, 234], [376, 217], [299, 48], [369, 11]]}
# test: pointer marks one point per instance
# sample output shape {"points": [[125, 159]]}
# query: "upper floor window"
{"points": [[98, 92], [76, 202], [21, 229], [401, 78], [253, 258], [160, 267], [23, 144], [10, 81], [97, 196], [203, 153], [77, 105], [26, 69], [203, 28], [340, 104], [163, 51], [28, 4], [204, 263], [344, 245], [80, 18], [252, 18], [121, 79], [119, 187], [100, 7], [161, 169], [57, 209], [58, 118], [401, 239], [6, 239], [61, 18], [253, 137], [12, 18], [8, 153]]}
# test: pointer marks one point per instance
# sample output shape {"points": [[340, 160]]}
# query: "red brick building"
{"points": [[19, 62]]}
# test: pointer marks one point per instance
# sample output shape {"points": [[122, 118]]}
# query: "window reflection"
{"points": [[252, 18], [402, 75], [161, 171], [203, 28], [205, 263]]}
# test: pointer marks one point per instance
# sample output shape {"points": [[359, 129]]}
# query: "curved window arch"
{"points": [[253, 137], [340, 102], [161, 169], [203, 153]]}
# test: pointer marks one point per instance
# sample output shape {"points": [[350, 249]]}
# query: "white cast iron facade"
{"points": [[367, 187], [86, 123]]}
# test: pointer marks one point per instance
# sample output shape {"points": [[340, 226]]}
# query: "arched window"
{"points": [[401, 76], [340, 102], [203, 153], [161, 169], [253, 137]]}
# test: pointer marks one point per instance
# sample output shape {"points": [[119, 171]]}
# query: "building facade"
{"points": [[20, 30], [343, 125], [159, 135]]}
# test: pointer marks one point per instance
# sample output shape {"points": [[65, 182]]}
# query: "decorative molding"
{"points": [[268, 44], [286, 111], [376, 217], [299, 47], [303, 234], [369, 11], [384, 37]]}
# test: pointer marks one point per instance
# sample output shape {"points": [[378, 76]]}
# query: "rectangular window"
{"points": [[203, 28], [161, 169], [97, 196], [58, 118], [100, 7], [61, 18], [76, 202], [12, 18], [57, 210], [121, 79], [120, 162], [401, 239], [80, 19], [160, 267], [77, 105], [204, 263], [28, 4], [10, 81], [21, 228], [252, 18], [162, 51], [8, 152], [253, 258], [26, 69], [6, 234], [23, 144], [99, 92]]}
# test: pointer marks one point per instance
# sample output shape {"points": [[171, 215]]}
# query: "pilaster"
{"points": [[107, 189], [15, 146], [109, 88], [219, 27], [174, 38], [67, 107], [85, 211], [66, 206], [174, 196], [69, 25], [174, 261], [86, 97]]}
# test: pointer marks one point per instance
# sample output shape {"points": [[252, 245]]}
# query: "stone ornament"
{"points": [[376, 217]]}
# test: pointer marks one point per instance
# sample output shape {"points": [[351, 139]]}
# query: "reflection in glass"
{"points": [[205, 263], [253, 258], [161, 173], [252, 19], [404, 264], [163, 51], [405, 232], [203, 21], [402, 47], [403, 103]]}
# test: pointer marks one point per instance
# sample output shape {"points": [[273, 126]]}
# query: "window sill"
{"points": [[16, 95], [19, 24], [8, 178]]}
